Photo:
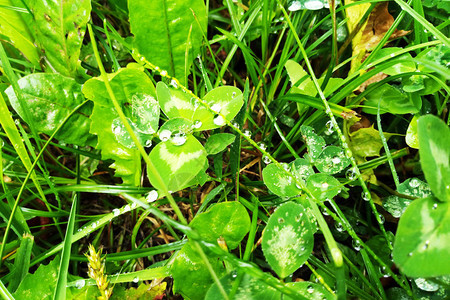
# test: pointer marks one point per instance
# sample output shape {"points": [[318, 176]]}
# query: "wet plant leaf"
{"points": [[218, 142], [59, 30], [229, 221], [135, 93], [331, 160], [50, 98], [434, 141], [367, 142], [323, 186], [412, 138], [279, 182], [314, 142], [294, 5], [406, 65], [176, 104], [162, 28], [177, 163], [311, 290], [392, 100], [301, 168], [421, 247], [288, 239], [396, 206]]}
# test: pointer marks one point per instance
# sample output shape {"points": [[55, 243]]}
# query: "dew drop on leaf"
{"points": [[365, 196], [351, 174], [174, 83], [216, 107], [165, 135], [197, 124], [266, 160], [280, 220], [163, 73], [414, 182], [116, 212], [356, 245], [247, 133], [339, 227], [79, 284], [218, 120], [148, 143], [329, 128], [178, 139], [152, 196], [310, 289], [136, 279], [262, 146], [295, 5]]}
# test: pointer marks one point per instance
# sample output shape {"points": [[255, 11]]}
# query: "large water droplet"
{"points": [[216, 107], [178, 139], [247, 133], [310, 289], [163, 73], [295, 5], [336, 160], [79, 284], [219, 120], [280, 220], [262, 146], [351, 174], [197, 124], [356, 245], [116, 212], [365, 196], [329, 128], [339, 227], [165, 135], [136, 279], [152, 196], [266, 159], [148, 143], [414, 182]]}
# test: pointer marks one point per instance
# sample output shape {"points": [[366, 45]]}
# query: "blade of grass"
{"points": [[21, 262]]}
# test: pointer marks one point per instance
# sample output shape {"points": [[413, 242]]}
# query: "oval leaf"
{"points": [[279, 182], [422, 246], [312, 291], [216, 143], [287, 240], [331, 160], [323, 186], [177, 163], [50, 98], [434, 141]]}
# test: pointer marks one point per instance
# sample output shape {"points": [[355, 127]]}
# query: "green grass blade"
{"points": [[4, 292], [21, 262]]}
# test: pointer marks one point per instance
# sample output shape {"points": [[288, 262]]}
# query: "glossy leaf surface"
{"points": [[218, 142], [287, 240], [50, 98], [434, 149], [323, 186], [162, 28], [422, 246], [59, 30], [279, 182]]}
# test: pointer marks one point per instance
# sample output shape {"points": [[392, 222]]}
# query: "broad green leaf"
{"points": [[422, 246], [50, 98], [367, 142], [250, 288], [407, 65], [314, 142], [229, 221], [412, 138], [177, 163], [288, 239], [13, 25], [312, 291], [142, 292], [135, 93], [41, 284], [59, 30], [218, 142], [323, 186], [392, 100], [296, 73], [279, 182], [165, 31], [396, 206], [226, 100], [301, 168], [434, 141], [331, 160]]}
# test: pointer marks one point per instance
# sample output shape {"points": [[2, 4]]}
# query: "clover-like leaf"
{"points": [[332, 160], [279, 182], [287, 240], [323, 186], [216, 143]]}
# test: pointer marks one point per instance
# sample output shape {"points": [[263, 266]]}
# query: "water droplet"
{"points": [[178, 139], [136, 279], [148, 143], [324, 186], [163, 73], [234, 274], [295, 5], [339, 226], [165, 135], [234, 94], [247, 133], [216, 107], [262, 146], [133, 205], [325, 211], [116, 212], [152, 196], [174, 83], [356, 245], [351, 174], [365, 196], [298, 218], [310, 289], [197, 124], [141, 58], [392, 55], [382, 219], [126, 208], [427, 244], [235, 124], [313, 4], [266, 159], [329, 128], [157, 69], [384, 272], [280, 220], [79, 284], [414, 182], [435, 206], [410, 254], [348, 153], [336, 160], [219, 120]]}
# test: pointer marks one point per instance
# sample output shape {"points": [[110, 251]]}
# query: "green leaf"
{"points": [[323, 186], [366, 142], [422, 246], [396, 206], [50, 98], [41, 284], [412, 138], [434, 141], [175, 103], [59, 30], [301, 168], [135, 94], [14, 26], [142, 292], [216, 143], [392, 100], [314, 142], [408, 65], [288, 239], [312, 291], [250, 288], [177, 163], [331, 160], [279, 182], [165, 31], [228, 220]]}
